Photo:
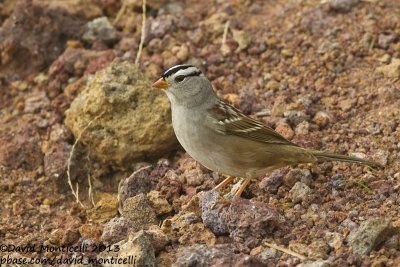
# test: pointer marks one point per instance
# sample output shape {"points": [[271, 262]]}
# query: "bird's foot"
{"points": [[223, 202]]}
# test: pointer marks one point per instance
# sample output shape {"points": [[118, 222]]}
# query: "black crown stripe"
{"points": [[174, 69], [196, 73]]}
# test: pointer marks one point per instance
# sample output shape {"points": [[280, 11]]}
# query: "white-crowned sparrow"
{"points": [[222, 138]]}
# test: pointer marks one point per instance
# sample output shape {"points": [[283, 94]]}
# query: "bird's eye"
{"points": [[179, 78]]}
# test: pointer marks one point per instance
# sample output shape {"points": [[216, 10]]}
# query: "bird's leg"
{"points": [[223, 183], [226, 202], [241, 189], [220, 200]]}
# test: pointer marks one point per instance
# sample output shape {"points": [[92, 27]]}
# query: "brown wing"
{"points": [[231, 121]]}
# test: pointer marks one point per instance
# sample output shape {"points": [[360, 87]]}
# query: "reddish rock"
{"points": [[91, 230], [139, 209], [160, 239], [138, 182], [285, 130], [170, 188], [308, 141], [59, 132], [68, 232], [249, 102], [28, 34], [36, 101], [250, 222], [101, 61], [55, 163], [159, 27], [218, 255], [196, 233], [20, 147], [77, 61], [60, 104], [272, 182], [297, 175], [116, 230]]}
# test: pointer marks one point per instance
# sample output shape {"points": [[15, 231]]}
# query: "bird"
{"points": [[223, 139]]}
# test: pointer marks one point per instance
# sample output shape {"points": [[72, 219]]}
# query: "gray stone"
{"points": [[140, 211], [138, 248], [211, 218], [299, 191], [296, 117], [271, 183], [298, 175], [319, 263], [36, 101], [370, 234], [116, 230], [100, 29], [342, 5], [219, 255]]}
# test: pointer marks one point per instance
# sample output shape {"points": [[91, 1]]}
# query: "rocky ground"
{"points": [[88, 158]]}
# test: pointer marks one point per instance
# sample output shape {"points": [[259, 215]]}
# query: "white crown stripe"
{"points": [[187, 71]]}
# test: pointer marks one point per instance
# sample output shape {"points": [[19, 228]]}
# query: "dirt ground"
{"points": [[324, 74]]}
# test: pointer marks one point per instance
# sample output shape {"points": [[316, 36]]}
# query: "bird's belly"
{"points": [[217, 155], [226, 154], [208, 152]]}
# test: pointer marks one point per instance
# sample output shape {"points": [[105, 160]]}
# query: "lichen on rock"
{"points": [[129, 120]]}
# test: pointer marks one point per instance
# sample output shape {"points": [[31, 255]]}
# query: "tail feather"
{"points": [[337, 157]]}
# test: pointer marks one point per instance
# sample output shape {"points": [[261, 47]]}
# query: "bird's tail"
{"points": [[337, 157]]}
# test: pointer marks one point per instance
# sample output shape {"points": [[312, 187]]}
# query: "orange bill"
{"points": [[161, 83]]}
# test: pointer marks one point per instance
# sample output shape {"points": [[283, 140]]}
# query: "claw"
{"points": [[224, 203]]}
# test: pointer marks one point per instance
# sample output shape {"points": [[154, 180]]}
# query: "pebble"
{"points": [[116, 230], [298, 175], [105, 209], [139, 246], [341, 5], [59, 132], [159, 240], [159, 203], [249, 222], [272, 182], [321, 118], [139, 209], [183, 219], [328, 47], [160, 26], [296, 117], [210, 217], [218, 255], [242, 38], [263, 113], [183, 53], [347, 223], [392, 70], [370, 234], [138, 182], [100, 29], [36, 102], [287, 53], [299, 191], [384, 40], [347, 104], [285, 130], [302, 128], [385, 59], [319, 263], [334, 240]]}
